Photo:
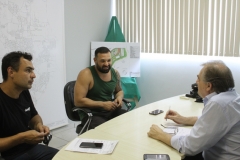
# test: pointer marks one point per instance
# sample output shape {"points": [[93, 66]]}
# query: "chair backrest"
{"points": [[69, 101]]}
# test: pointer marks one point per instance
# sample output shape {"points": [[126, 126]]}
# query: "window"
{"points": [[189, 27]]}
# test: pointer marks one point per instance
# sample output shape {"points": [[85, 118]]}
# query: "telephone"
{"points": [[194, 93]]}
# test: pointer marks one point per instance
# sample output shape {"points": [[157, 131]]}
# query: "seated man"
{"points": [[98, 88], [21, 128], [216, 132]]}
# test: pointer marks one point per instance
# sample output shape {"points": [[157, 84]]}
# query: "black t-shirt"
{"points": [[15, 115]]}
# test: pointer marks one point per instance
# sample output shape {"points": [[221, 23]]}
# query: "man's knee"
{"points": [[40, 152], [96, 121], [122, 111], [119, 111]]}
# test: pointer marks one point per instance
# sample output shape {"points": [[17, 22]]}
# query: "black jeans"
{"points": [[39, 152], [101, 117]]}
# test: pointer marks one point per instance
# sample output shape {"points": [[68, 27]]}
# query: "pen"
{"points": [[163, 126], [168, 111]]}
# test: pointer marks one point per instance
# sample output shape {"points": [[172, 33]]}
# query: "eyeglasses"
{"points": [[47, 139]]}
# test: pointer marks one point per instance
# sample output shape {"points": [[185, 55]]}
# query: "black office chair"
{"points": [[72, 110]]}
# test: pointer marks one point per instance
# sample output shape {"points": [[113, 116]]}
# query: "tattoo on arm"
{"points": [[118, 87]]}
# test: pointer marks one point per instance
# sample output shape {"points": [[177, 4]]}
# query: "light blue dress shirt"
{"points": [[217, 131]]}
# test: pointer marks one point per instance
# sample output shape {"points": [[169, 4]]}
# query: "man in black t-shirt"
{"points": [[21, 128]]}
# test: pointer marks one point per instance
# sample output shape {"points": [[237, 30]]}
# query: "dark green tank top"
{"points": [[101, 90]]}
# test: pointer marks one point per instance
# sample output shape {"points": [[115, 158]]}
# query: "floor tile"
{"points": [[72, 124], [59, 148], [57, 142], [62, 129], [67, 135]]}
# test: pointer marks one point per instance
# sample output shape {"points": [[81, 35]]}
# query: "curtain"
{"points": [[189, 27]]}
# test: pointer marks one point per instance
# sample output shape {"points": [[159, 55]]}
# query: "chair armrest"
{"points": [[85, 110], [127, 103], [88, 112]]}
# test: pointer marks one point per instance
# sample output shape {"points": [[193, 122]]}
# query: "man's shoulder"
{"points": [[115, 70], [85, 71], [84, 75], [224, 99]]}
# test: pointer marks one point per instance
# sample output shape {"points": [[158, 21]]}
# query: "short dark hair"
{"points": [[101, 50], [12, 59], [219, 75]]}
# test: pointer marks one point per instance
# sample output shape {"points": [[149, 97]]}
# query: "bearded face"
{"points": [[103, 68], [103, 62]]}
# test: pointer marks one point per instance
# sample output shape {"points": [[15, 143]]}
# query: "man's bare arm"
{"points": [[36, 123], [158, 134], [118, 90], [36, 120], [191, 120], [118, 86], [32, 136], [81, 89], [9, 142], [177, 118]]}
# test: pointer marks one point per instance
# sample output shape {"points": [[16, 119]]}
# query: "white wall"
{"points": [[85, 21], [164, 76], [161, 76]]}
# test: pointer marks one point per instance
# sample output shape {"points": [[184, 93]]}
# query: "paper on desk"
{"points": [[108, 146], [177, 130], [170, 130], [170, 123]]}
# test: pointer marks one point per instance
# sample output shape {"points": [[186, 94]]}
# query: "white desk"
{"points": [[131, 131]]}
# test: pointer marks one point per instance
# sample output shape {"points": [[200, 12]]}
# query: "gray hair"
{"points": [[219, 75]]}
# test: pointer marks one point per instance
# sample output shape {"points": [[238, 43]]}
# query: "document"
{"points": [[173, 129], [170, 123], [108, 146], [170, 127], [177, 131]]}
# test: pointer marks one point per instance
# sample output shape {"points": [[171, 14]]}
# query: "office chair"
{"points": [[72, 110]]}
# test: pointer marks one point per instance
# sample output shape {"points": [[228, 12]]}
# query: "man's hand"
{"points": [[30, 137], [110, 106], [177, 118], [158, 134], [173, 115], [155, 132], [33, 137], [42, 129], [118, 101]]}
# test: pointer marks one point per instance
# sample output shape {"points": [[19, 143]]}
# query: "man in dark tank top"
{"points": [[98, 88]]}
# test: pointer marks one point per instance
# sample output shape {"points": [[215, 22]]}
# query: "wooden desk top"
{"points": [[139, 121], [123, 150], [131, 131]]}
